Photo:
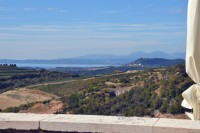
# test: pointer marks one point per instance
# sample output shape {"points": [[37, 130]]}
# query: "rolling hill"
{"points": [[156, 62]]}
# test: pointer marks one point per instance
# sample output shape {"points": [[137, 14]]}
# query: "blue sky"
{"points": [[47, 29]]}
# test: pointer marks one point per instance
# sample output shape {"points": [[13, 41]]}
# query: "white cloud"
{"points": [[112, 11], [7, 17], [148, 5], [36, 28], [29, 9], [177, 10], [92, 37], [58, 10], [106, 26], [5, 9], [102, 30]]}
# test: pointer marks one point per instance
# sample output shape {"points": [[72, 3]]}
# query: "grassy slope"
{"points": [[159, 89], [74, 86]]}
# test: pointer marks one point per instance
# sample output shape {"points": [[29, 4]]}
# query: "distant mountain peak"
{"points": [[136, 55]]}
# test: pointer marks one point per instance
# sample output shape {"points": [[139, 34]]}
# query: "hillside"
{"points": [[23, 96], [153, 92], [156, 62], [7, 71], [13, 77], [139, 93]]}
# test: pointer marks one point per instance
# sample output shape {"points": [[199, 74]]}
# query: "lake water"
{"points": [[57, 65]]}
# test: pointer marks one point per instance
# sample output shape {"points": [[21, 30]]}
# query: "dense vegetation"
{"points": [[13, 77], [130, 94]]}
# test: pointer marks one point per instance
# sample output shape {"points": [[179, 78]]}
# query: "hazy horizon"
{"points": [[53, 29], [90, 55]]}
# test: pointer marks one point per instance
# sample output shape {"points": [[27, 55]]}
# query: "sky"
{"points": [[50, 29]]}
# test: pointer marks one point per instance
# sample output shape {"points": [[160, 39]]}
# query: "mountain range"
{"points": [[137, 55], [100, 59]]}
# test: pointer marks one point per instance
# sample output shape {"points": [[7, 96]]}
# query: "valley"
{"points": [[152, 92]]}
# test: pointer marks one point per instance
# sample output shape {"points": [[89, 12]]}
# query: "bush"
{"points": [[164, 107], [124, 80]]}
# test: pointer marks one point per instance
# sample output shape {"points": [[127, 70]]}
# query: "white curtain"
{"points": [[192, 95]]}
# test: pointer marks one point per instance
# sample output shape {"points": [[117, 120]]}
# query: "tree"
{"points": [[73, 100], [175, 108]]}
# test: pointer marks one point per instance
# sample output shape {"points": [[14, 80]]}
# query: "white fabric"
{"points": [[192, 95]]}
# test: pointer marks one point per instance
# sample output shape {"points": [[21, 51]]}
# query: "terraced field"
{"points": [[9, 71], [12, 77]]}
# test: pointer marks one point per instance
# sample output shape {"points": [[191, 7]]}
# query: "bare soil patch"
{"points": [[48, 108], [17, 97]]}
